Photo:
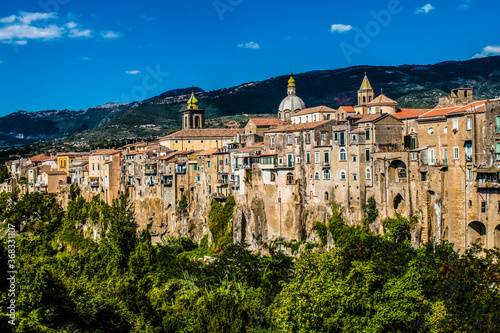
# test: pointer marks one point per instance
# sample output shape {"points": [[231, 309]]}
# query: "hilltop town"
{"points": [[437, 165]]}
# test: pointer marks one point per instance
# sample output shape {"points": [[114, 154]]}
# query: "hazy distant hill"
{"points": [[410, 85]]}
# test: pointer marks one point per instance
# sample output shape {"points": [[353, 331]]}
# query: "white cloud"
{"points": [[75, 33], [109, 34], [340, 28], [250, 45], [19, 29], [465, 4], [425, 9], [134, 72], [488, 51]]}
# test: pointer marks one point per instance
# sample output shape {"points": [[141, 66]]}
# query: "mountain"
{"points": [[410, 85]]}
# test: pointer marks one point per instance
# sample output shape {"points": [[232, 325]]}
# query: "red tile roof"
{"points": [[266, 121], [105, 152], [409, 113], [479, 106], [348, 109], [39, 158]]}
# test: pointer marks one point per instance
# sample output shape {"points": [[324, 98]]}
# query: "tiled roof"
{"points": [[105, 152], [39, 158], [205, 133], [315, 109], [298, 127], [479, 106], [250, 149], [266, 121], [370, 118], [409, 113], [55, 172], [71, 154], [348, 109], [382, 100], [358, 131], [209, 151]]}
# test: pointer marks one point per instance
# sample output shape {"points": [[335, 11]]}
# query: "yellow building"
{"points": [[64, 160]]}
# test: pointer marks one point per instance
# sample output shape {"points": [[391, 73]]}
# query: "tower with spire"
{"points": [[365, 96], [292, 103], [192, 116]]}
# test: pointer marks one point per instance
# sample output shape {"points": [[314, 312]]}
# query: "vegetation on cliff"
{"points": [[67, 282]]}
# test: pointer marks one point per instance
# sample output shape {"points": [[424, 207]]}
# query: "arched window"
{"points": [[342, 155], [289, 179], [273, 176], [197, 122], [327, 196], [287, 114], [326, 174], [368, 174], [342, 175], [364, 99], [316, 175]]}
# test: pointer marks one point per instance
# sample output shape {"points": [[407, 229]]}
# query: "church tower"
{"points": [[365, 96], [192, 116]]}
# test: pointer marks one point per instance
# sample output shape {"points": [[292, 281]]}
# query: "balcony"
{"points": [[223, 181], [130, 184], [326, 165], [483, 183], [150, 169], [94, 183], [180, 168]]}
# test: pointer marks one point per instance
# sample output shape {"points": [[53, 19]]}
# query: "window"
{"points": [[469, 174], [354, 137], [297, 159], [413, 143], [423, 176], [445, 130], [326, 174], [328, 117], [208, 164], [273, 176], [327, 157], [498, 124], [307, 119], [342, 175], [308, 157], [342, 139], [342, 155], [195, 167], [354, 158], [272, 142], [289, 139], [499, 207], [314, 117], [455, 153], [297, 141], [469, 123], [468, 151], [455, 123], [498, 150], [316, 157], [367, 155], [431, 156], [483, 207], [308, 138], [354, 177], [446, 156], [280, 160], [289, 158], [323, 136], [316, 175], [289, 179], [336, 136], [227, 161], [367, 134], [368, 174], [430, 130]]}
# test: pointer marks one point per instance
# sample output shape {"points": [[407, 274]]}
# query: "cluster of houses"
{"points": [[440, 165]]}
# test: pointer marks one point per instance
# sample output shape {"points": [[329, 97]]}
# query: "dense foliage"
{"points": [[69, 282]]}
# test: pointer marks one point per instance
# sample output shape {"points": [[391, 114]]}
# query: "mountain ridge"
{"points": [[415, 86]]}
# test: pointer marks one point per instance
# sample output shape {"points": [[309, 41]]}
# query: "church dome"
{"points": [[291, 102]]}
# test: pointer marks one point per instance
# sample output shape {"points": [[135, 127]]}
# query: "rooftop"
{"points": [[266, 121], [315, 109], [205, 133]]}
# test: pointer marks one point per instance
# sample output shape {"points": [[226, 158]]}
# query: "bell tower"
{"points": [[192, 116], [365, 96]]}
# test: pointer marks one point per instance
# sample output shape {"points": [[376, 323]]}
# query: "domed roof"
{"points": [[193, 102], [292, 103]]}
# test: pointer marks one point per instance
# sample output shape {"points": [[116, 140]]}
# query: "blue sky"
{"points": [[74, 54]]}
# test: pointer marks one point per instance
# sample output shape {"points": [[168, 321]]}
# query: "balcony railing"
{"points": [[94, 183], [483, 183]]}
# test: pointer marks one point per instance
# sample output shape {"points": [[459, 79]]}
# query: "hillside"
{"points": [[410, 85]]}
